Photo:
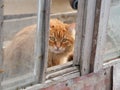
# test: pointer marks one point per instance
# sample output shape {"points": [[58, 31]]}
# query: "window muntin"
{"points": [[112, 47]]}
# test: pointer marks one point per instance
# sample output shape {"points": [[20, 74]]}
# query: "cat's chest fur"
{"points": [[57, 59]]}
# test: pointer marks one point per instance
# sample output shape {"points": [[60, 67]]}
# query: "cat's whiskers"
{"points": [[56, 49]]}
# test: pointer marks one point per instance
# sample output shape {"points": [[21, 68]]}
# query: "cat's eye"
{"points": [[64, 40], [52, 38]]}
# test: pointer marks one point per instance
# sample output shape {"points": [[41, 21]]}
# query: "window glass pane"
{"points": [[15, 7], [59, 6], [112, 49], [62, 32], [18, 34]]}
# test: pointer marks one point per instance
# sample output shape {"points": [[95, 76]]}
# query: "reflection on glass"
{"points": [[112, 49]]}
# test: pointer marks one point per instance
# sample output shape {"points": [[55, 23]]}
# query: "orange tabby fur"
{"points": [[21, 50], [63, 39]]}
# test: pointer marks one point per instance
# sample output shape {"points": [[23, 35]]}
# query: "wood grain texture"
{"points": [[78, 36], [1, 40], [41, 42], [99, 34], [95, 33], [100, 81], [84, 33], [59, 67], [87, 36], [116, 76], [111, 63]]}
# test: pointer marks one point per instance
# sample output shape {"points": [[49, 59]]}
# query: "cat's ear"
{"points": [[71, 28], [51, 26]]}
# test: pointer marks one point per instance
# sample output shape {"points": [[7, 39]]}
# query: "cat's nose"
{"points": [[57, 45], [57, 48]]}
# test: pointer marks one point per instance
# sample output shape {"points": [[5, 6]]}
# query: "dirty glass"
{"points": [[112, 47], [18, 34], [63, 16]]}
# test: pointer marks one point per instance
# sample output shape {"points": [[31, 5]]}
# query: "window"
{"points": [[112, 44], [25, 70], [91, 22], [17, 14], [112, 49]]}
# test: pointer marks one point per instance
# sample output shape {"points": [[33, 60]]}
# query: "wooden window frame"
{"points": [[85, 22], [41, 42], [84, 31], [1, 43], [99, 35], [89, 47]]}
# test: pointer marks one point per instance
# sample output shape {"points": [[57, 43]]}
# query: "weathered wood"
{"points": [[59, 67], [61, 72], [95, 33], [84, 32], [84, 21], [41, 42], [100, 81], [79, 32], [53, 81], [99, 34], [111, 63], [28, 78], [1, 41], [116, 77], [87, 36]]}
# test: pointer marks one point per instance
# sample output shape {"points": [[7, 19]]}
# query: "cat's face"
{"points": [[60, 37]]}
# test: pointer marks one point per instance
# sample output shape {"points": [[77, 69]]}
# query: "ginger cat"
{"points": [[18, 55], [61, 42]]}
